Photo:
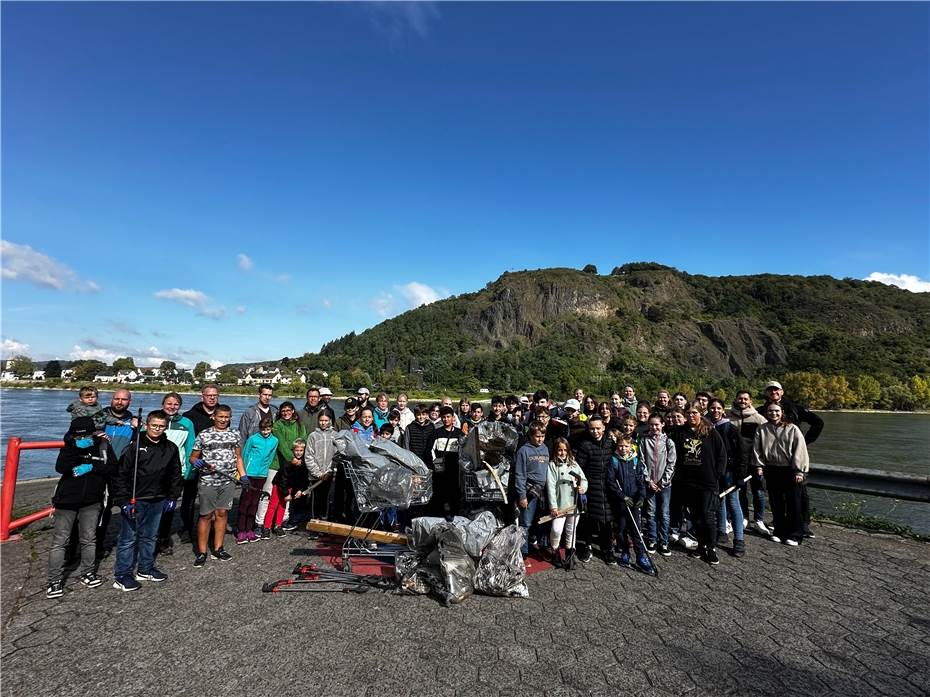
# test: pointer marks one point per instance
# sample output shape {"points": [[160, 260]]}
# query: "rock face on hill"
{"points": [[651, 318]]}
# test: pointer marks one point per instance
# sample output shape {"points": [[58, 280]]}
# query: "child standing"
{"points": [[657, 455], [530, 471], [287, 486], [258, 453], [564, 482], [222, 455], [627, 490]]}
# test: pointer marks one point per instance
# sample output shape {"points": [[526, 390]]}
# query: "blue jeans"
{"points": [[730, 504], [658, 514], [137, 539], [527, 518]]}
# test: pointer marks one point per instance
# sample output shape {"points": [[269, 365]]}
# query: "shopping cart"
{"points": [[481, 487], [371, 511]]}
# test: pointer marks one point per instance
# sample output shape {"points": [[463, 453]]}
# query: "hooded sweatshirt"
{"points": [[658, 456], [780, 446], [747, 422], [532, 465]]}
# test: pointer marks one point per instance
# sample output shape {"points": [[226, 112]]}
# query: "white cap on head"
{"points": [[326, 392], [776, 385], [572, 404]]}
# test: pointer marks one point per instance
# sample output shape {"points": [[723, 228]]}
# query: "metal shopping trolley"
{"points": [[369, 484], [485, 463]]}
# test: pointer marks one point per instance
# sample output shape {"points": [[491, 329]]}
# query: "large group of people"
{"points": [[621, 476]]}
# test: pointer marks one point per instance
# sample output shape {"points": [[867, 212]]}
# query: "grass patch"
{"points": [[849, 514]]}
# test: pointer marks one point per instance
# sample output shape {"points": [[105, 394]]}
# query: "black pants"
{"points": [[625, 530], [703, 505], [188, 496], [785, 499], [591, 528], [447, 494]]}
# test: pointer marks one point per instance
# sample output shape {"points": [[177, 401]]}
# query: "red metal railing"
{"points": [[10, 471]]}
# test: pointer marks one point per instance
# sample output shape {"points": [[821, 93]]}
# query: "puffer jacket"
{"points": [[72, 492], [594, 459], [321, 447]]}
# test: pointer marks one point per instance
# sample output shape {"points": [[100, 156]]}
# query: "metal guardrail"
{"points": [[10, 470], [855, 480]]}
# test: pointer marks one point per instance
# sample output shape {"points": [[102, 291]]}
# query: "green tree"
{"points": [[316, 378], [919, 387], [839, 393], [897, 397], [868, 391], [589, 268], [807, 388], [124, 364], [168, 366], [53, 369], [85, 371], [335, 381], [472, 385], [200, 370], [23, 366], [227, 376]]}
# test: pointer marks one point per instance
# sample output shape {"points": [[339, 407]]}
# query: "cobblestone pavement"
{"points": [[845, 614]]}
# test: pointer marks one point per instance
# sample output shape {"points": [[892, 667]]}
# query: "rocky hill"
{"points": [[561, 327]]}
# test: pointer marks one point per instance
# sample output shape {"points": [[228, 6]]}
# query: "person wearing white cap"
{"points": [[363, 395], [577, 428], [326, 396]]}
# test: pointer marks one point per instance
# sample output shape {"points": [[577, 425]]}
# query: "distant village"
{"points": [[251, 375]]}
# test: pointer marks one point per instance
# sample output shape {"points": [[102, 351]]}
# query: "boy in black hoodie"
{"points": [[86, 463], [143, 489]]}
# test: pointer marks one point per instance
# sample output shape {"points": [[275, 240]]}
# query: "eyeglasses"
{"points": [[156, 427]]}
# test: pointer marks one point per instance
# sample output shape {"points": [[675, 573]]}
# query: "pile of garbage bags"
{"points": [[383, 474], [454, 559], [489, 447]]}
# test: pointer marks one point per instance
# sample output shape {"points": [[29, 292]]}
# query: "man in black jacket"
{"points": [[148, 482], [86, 464], [796, 414]]}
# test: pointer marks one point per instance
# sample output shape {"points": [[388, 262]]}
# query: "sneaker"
{"points": [[739, 548], [126, 584], [711, 557], [775, 539], [153, 575], [55, 590], [674, 537], [166, 547], [696, 553], [91, 580], [266, 534], [722, 539], [221, 554], [664, 550], [611, 560], [729, 527], [251, 536], [791, 543], [745, 523], [585, 556], [651, 547], [278, 532], [625, 559], [288, 526], [809, 534], [761, 529], [688, 542], [242, 538], [200, 560]]}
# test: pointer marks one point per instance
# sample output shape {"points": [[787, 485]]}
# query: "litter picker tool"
{"points": [[642, 542], [135, 466], [209, 469], [733, 488]]}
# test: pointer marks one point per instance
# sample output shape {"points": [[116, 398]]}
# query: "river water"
{"points": [[894, 442]]}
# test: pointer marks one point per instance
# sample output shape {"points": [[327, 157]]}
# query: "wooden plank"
{"points": [[562, 512], [340, 530]]}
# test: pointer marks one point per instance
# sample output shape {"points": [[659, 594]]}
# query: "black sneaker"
{"points": [[696, 553], [221, 554], [585, 556], [739, 548], [278, 532], [265, 534], [91, 580], [288, 526], [200, 560], [651, 547], [55, 590], [723, 540], [710, 556], [664, 550], [809, 534], [153, 575]]}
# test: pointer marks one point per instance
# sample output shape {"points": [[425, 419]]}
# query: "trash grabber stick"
{"points": [[218, 473], [639, 534], [562, 513], [733, 488], [135, 467]]}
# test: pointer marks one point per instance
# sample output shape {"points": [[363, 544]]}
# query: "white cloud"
{"points": [[196, 299], [20, 262], [905, 281], [383, 305], [240, 309], [417, 294], [12, 347], [79, 353], [396, 19], [326, 303], [245, 262]]}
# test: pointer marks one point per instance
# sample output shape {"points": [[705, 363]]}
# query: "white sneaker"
{"points": [[773, 538], [674, 537], [791, 543], [761, 529], [729, 527], [745, 524], [688, 543]]}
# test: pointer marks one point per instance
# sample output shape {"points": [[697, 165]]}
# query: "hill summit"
{"points": [[645, 322]]}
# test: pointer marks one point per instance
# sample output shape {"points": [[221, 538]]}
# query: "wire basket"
{"points": [[360, 473], [472, 490]]}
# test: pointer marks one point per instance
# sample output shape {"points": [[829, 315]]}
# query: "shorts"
{"points": [[214, 498]]}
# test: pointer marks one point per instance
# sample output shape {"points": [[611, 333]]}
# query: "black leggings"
{"points": [[703, 505]]}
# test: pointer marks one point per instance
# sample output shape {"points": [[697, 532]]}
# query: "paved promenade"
{"points": [[846, 614]]}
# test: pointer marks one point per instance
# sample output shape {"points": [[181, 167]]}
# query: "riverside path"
{"points": [[844, 614]]}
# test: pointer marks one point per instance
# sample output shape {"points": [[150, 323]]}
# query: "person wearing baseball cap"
{"points": [[326, 396], [344, 422], [363, 394]]}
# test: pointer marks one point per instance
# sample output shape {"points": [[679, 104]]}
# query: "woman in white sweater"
{"points": [[780, 449]]}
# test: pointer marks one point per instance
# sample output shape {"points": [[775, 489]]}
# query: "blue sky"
{"points": [[234, 182]]}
